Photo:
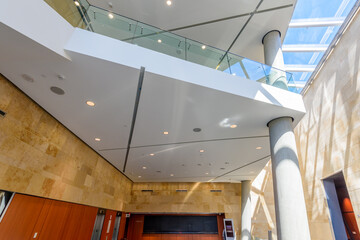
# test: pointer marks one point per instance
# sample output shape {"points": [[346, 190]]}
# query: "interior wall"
{"points": [[39, 156], [198, 199], [328, 137]]}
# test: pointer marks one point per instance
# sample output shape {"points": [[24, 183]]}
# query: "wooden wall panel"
{"points": [[20, 218], [122, 226], [87, 223], [108, 227]]}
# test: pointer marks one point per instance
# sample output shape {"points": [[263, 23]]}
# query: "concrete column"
{"points": [[245, 210], [291, 217], [274, 58]]}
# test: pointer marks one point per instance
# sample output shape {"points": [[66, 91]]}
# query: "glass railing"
{"points": [[125, 29]]}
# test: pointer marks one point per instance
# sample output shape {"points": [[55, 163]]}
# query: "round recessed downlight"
{"points": [[171, 175], [197, 129], [168, 2], [27, 78], [258, 148], [139, 176], [234, 74], [203, 47], [77, 3], [110, 15], [143, 167], [202, 150], [159, 41], [97, 139], [152, 154], [233, 126], [90, 103], [57, 90], [207, 173], [166, 133]]}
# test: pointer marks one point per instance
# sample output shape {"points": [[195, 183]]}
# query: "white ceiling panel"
{"points": [[249, 42], [180, 13], [115, 157], [188, 162]]}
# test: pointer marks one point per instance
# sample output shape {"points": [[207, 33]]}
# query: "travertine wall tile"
{"points": [[39, 156]]}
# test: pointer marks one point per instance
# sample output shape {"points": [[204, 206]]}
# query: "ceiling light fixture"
{"points": [[206, 173], [203, 47], [111, 16], [234, 74], [171, 175], [139, 176], [159, 41], [152, 154], [143, 167], [166, 133], [90, 103], [77, 3], [202, 150], [258, 148], [233, 126], [97, 139], [168, 2]]}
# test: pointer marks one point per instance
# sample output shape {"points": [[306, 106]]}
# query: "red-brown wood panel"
{"points": [[87, 223], [220, 222], [55, 221], [80, 222], [122, 226], [20, 218], [108, 227], [135, 228]]}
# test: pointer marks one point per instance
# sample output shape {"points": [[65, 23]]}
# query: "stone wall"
{"points": [[328, 137], [39, 156], [198, 199]]}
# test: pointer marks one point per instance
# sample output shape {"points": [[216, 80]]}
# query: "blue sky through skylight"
{"points": [[310, 9]]}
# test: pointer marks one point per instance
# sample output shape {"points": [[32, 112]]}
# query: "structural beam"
{"points": [[304, 47], [316, 22], [299, 68]]}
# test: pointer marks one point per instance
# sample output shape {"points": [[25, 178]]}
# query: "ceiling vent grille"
{"points": [[147, 190], [214, 190], [181, 190]]}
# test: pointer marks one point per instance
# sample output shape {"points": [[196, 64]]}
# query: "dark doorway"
{"points": [[340, 208]]}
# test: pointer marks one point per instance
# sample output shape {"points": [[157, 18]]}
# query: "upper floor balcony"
{"points": [[83, 15]]}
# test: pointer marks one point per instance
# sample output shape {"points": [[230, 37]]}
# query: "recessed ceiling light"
{"points": [[97, 139], [90, 103], [57, 90], [168, 2], [234, 74], [171, 175], [159, 41], [152, 154], [111, 16], [233, 126], [139, 176], [77, 3], [166, 133], [143, 167], [206, 173], [258, 148], [202, 150], [203, 47]]}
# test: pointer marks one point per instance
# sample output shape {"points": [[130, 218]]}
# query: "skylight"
{"points": [[313, 26]]}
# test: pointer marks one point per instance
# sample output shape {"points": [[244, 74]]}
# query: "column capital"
{"points": [[292, 119], [262, 40]]}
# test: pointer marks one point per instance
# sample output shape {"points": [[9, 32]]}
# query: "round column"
{"points": [[245, 210], [291, 217], [274, 58]]}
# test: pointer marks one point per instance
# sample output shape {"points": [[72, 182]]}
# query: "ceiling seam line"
{"points": [[229, 18], [242, 167], [241, 30], [177, 143], [136, 106], [210, 22]]}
